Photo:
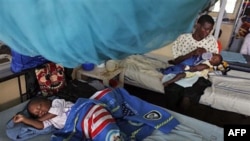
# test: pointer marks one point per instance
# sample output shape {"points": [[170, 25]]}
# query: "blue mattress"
{"points": [[237, 61]]}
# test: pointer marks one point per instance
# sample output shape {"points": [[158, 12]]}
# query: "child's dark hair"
{"points": [[221, 60]]}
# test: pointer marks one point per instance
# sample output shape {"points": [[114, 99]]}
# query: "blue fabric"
{"points": [[73, 32], [233, 57], [22, 132], [179, 68], [21, 62]]}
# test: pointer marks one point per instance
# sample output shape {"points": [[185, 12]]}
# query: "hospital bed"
{"points": [[228, 92], [206, 131]]}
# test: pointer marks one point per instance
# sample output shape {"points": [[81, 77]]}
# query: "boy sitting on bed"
{"points": [[46, 112], [196, 65]]}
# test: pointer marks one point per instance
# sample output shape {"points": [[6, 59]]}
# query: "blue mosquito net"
{"points": [[71, 32]]}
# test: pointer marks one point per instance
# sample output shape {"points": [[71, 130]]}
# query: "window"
{"points": [[229, 6]]}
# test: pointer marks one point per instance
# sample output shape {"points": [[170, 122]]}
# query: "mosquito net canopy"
{"points": [[71, 32]]}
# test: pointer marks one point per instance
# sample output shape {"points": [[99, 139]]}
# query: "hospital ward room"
{"points": [[124, 70]]}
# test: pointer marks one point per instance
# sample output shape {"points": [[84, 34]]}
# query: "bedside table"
{"points": [[102, 74]]}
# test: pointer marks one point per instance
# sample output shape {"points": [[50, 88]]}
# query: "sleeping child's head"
{"points": [[39, 106], [216, 59]]}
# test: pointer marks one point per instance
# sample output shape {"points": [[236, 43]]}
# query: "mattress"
{"points": [[206, 131], [240, 74], [237, 61], [229, 93]]}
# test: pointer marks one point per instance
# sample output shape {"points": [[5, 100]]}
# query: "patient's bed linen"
{"points": [[228, 93]]}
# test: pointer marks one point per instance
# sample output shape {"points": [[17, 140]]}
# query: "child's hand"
{"points": [[18, 118]]}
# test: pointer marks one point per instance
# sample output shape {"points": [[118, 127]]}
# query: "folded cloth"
{"points": [[21, 132]]}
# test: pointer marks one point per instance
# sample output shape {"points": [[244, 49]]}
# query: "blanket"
{"points": [[88, 121], [131, 118]]}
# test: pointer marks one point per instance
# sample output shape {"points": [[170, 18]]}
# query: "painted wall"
{"points": [[10, 93]]}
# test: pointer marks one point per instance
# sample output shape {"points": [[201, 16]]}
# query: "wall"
{"points": [[10, 93], [225, 38]]}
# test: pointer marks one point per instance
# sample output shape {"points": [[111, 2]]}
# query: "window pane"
{"points": [[229, 6]]}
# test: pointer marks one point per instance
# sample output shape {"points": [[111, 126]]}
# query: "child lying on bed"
{"points": [[46, 112], [124, 117], [99, 118], [55, 113], [196, 65]]}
